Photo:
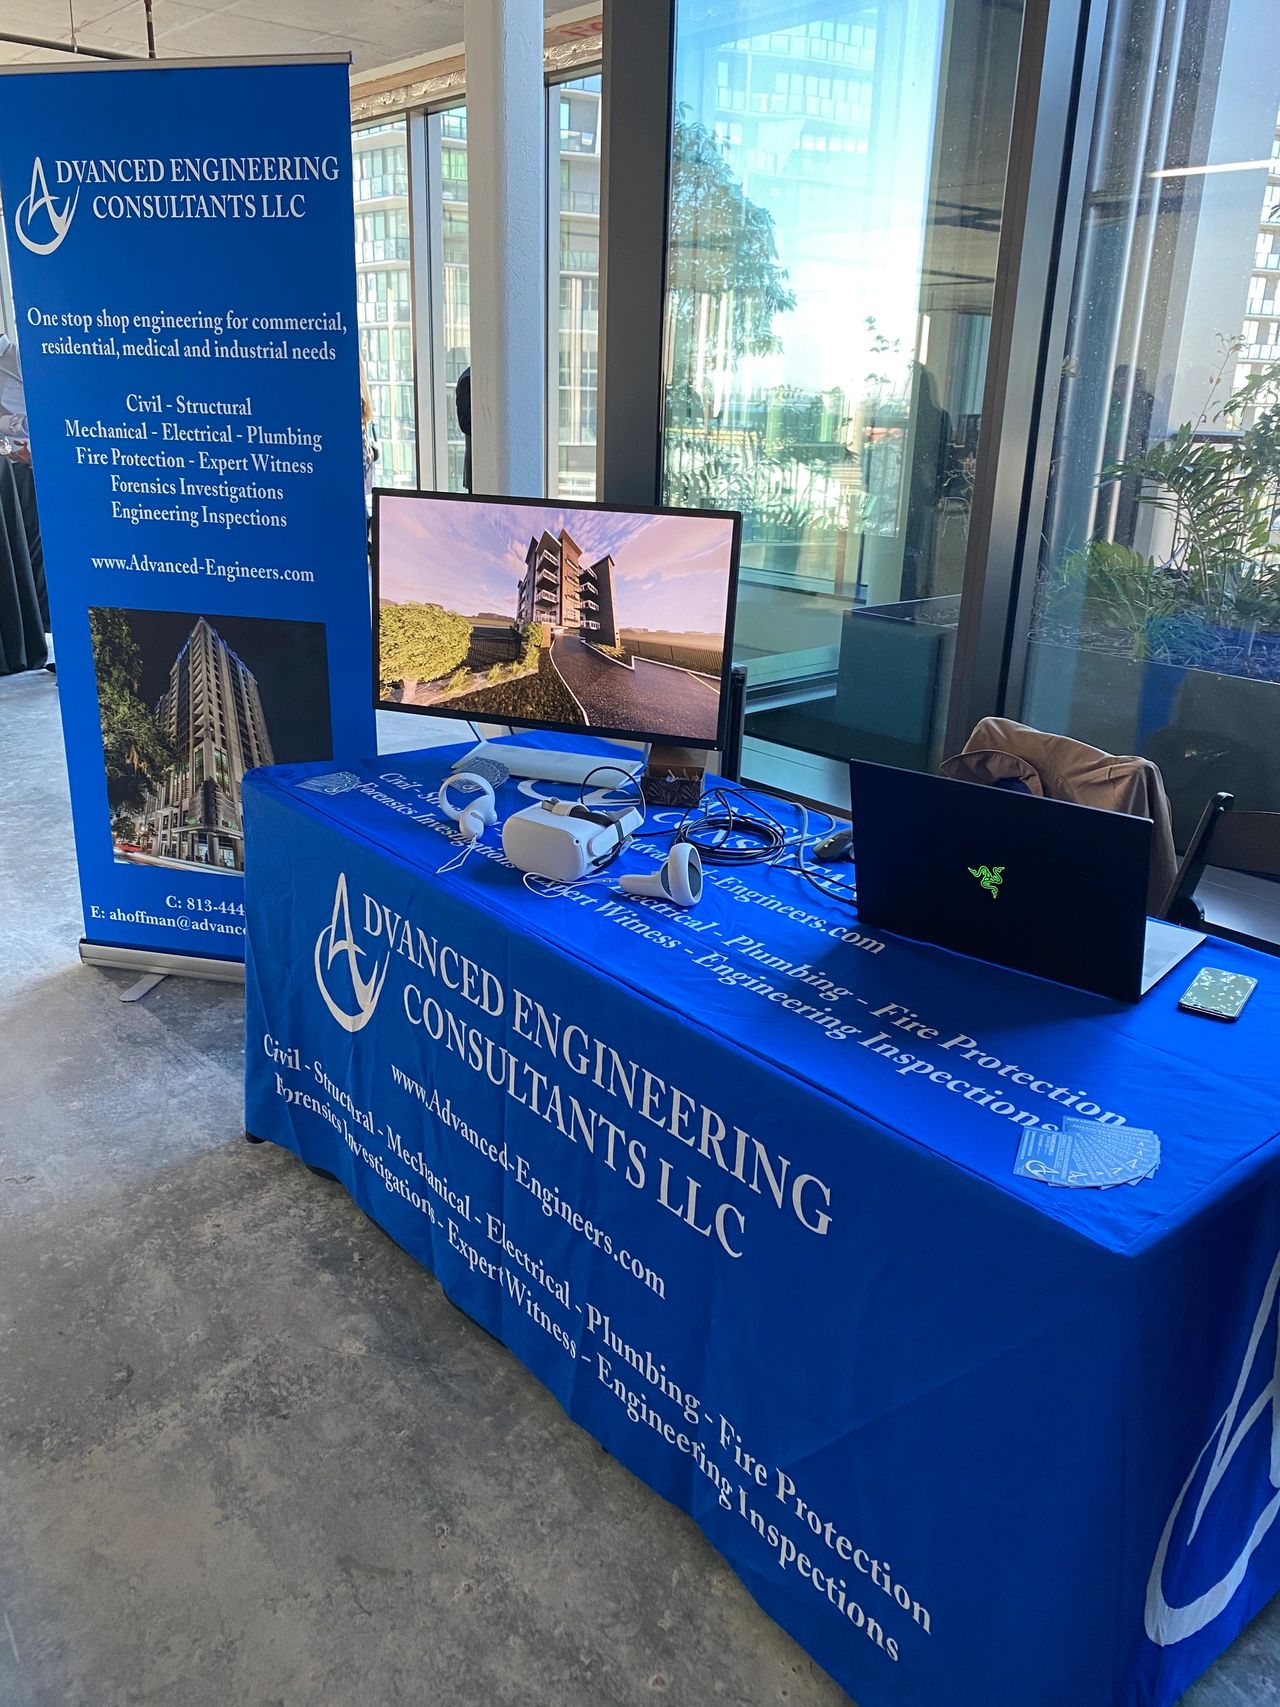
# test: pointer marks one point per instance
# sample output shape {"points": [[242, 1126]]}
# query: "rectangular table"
{"points": [[736, 1184]]}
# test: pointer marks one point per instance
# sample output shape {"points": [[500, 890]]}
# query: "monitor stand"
{"points": [[557, 764]]}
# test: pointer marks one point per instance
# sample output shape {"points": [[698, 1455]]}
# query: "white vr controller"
{"points": [[475, 815], [678, 878]]}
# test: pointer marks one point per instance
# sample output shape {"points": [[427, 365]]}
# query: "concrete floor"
{"points": [[249, 1455]]}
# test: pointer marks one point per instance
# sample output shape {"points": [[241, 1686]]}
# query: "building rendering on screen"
{"points": [[212, 712], [559, 588]]}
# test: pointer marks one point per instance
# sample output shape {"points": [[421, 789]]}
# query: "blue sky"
{"points": [[670, 572]]}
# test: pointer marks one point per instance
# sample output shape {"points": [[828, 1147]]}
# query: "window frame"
{"points": [[555, 83], [361, 213], [1044, 196], [427, 145], [1056, 100]]}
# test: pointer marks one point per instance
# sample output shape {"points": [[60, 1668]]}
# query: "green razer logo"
{"points": [[989, 876]]}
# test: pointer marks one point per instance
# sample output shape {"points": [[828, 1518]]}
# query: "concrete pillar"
{"points": [[507, 197]]}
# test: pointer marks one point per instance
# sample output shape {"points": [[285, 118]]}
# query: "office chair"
{"points": [[1005, 754], [1247, 842]]}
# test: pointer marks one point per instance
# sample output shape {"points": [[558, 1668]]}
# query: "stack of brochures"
{"points": [[1088, 1153]]}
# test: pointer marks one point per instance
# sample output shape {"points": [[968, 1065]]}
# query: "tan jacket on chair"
{"points": [[1062, 769]]}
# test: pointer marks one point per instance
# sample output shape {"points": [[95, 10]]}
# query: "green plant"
{"points": [[1110, 589], [1221, 489], [420, 642], [887, 384], [136, 750], [541, 695], [722, 246], [793, 509], [1206, 601]]}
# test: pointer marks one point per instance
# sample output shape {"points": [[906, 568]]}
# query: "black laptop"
{"points": [[1036, 885]]}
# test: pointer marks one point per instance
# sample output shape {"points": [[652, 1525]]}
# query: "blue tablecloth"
{"points": [[736, 1184]]}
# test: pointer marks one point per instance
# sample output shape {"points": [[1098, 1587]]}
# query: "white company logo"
{"points": [[332, 782], [40, 201], [1169, 1624], [338, 937]]}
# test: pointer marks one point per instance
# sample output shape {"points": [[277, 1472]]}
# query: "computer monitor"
{"points": [[553, 614]]}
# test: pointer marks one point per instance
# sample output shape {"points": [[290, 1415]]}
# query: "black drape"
{"points": [[24, 605]]}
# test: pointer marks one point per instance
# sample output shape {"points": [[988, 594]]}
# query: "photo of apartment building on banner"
{"points": [[189, 703]]}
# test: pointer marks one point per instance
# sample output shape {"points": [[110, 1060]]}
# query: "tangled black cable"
{"points": [[768, 841], [831, 887], [628, 774], [730, 828], [603, 811]]}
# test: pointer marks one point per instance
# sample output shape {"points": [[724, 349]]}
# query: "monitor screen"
{"points": [[555, 615]]}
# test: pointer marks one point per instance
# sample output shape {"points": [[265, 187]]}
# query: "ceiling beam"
{"points": [[79, 49]]}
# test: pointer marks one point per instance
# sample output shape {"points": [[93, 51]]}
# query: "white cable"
{"points": [[557, 886], [457, 862]]}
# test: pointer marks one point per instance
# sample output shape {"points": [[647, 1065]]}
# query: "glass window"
{"points": [[383, 236], [385, 289], [831, 277], [453, 171], [456, 281], [380, 173], [576, 326], [7, 320], [1156, 623]]}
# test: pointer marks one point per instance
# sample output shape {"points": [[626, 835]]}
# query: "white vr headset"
{"points": [[565, 841]]}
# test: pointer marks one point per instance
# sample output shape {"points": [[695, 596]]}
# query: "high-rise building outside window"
{"points": [[576, 231], [413, 288], [1156, 620], [384, 295], [837, 178]]}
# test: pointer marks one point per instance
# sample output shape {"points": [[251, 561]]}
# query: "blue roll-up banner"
{"points": [[183, 264]]}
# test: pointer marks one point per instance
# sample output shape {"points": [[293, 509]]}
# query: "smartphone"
{"points": [[1218, 994]]}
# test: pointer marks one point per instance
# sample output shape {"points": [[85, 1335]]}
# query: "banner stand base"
{"points": [[153, 960]]}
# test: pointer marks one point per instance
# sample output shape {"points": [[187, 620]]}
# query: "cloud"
{"points": [[670, 571]]}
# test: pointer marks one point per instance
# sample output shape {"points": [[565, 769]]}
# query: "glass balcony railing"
{"points": [[382, 249], [380, 312], [383, 186]]}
